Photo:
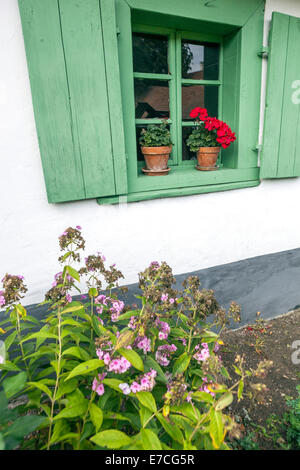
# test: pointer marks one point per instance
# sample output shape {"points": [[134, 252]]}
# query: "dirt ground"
{"points": [[271, 340]]}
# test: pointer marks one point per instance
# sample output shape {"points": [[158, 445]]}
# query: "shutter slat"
{"points": [[280, 156]]}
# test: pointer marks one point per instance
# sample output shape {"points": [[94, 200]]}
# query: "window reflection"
{"points": [[151, 99], [200, 61], [199, 95], [150, 53]]}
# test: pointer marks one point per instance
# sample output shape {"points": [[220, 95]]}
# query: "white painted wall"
{"points": [[190, 233]]}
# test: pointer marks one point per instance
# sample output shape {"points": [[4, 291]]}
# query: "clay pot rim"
{"points": [[208, 149], [157, 150]]}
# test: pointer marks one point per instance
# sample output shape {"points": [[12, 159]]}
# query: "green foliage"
{"points": [[201, 137], [98, 374], [156, 135]]}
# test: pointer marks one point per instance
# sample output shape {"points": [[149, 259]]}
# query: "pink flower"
{"points": [[78, 227], [144, 343], [68, 298], [98, 386], [135, 387], [164, 297], [2, 300], [125, 388]]}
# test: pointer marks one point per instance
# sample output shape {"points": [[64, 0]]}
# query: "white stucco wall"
{"points": [[190, 233]]}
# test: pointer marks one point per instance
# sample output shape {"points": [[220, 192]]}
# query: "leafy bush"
{"points": [[97, 374], [156, 135]]}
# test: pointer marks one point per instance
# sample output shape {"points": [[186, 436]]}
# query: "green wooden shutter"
{"points": [[71, 48], [280, 156]]}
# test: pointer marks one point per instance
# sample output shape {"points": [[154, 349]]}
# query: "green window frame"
{"points": [[239, 91]]}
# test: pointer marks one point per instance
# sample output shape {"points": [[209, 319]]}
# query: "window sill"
{"points": [[175, 192], [187, 176]]}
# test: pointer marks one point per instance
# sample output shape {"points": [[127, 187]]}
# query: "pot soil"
{"points": [[156, 159], [207, 158]]}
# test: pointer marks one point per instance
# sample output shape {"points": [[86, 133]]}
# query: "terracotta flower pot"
{"points": [[156, 159], [207, 158]]}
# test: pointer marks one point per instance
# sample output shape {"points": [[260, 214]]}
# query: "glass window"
{"points": [[150, 53], [173, 75], [199, 95], [200, 60], [151, 98]]}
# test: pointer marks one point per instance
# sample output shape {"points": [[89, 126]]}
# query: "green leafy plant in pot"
{"points": [[207, 138], [156, 146]]}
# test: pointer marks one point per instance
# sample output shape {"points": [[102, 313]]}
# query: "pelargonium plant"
{"points": [[96, 373], [208, 131]]}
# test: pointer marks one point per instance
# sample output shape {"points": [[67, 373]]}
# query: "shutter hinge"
{"points": [[118, 31], [257, 148], [264, 52]]}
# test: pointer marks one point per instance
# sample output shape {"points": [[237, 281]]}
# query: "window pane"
{"points": [[150, 53], [151, 99], [186, 153], [139, 128], [200, 60], [199, 95]]}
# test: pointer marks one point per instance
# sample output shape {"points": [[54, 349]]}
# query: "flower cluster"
{"points": [[13, 288], [201, 354], [95, 267], [220, 131], [176, 390], [163, 353], [145, 383], [61, 286], [164, 329], [118, 365], [115, 307], [72, 241], [143, 343]]}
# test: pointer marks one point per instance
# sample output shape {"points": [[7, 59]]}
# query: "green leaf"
{"points": [[66, 388], [216, 428], [224, 401], [171, 429], [72, 411], [145, 414], [96, 416], [74, 308], [114, 384], [93, 292], [152, 364], [7, 365], [9, 340], [21, 427], [41, 386], [73, 272], [128, 314], [240, 390], [203, 396], [42, 334], [78, 352], [147, 400], [181, 364], [133, 358], [60, 428], [150, 440], [14, 384], [111, 438], [125, 339], [86, 368]]}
